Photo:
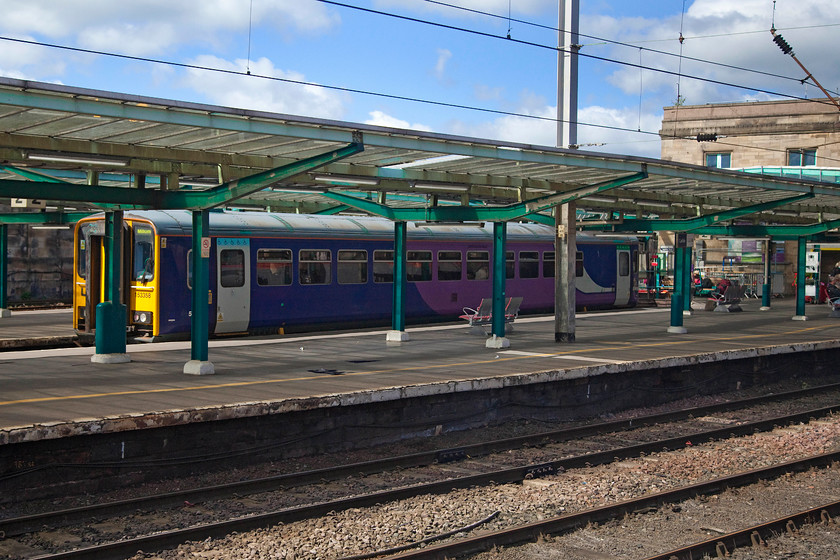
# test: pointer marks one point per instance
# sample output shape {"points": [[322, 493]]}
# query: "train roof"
{"points": [[267, 224]]}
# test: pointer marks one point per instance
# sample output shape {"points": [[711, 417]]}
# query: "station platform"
{"points": [[56, 393]]}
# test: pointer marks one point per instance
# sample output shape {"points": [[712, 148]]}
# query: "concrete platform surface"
{"points": [[45, 394]]}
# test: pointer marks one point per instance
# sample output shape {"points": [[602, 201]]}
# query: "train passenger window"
{"points": [[419, 266], [579, 264], [144, 253], [624, 263], [449, 265], [314, 266], [189, 270], [548, 264], [510, 264], [232, 268], [383, 267], [478, 265], [529, 264], [274, 267], [352, 267]]}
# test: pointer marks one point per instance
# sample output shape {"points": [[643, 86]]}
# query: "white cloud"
{"points": [[252, 92], [734, 37], [379, 118], [440, 67], [155, 26]]}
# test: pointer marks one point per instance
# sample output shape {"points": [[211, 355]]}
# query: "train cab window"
{"points": [[232, 268], [510, 264], [579, 264], [352, 267], [624, 263], [478, 265], [529, 264], [383, 267], [449, 265], [144, 253], [548, 264], [274, 267], [419, 266], [314, 266]]}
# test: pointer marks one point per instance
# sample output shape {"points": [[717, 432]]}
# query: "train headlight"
{"points": [[143, 317]]}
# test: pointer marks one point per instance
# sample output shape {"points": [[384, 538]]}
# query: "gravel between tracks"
{"points": [[360, 531]]}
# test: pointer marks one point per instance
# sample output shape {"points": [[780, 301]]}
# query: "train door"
{"points": [[233, 285], [92, 258], [623, 276]]}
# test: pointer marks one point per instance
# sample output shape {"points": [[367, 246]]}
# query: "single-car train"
{"points": [[273, 273]]}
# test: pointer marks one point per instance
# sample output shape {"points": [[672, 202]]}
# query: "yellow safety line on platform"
{"points": [[397, 370]]}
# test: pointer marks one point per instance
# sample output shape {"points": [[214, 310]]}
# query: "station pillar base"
{"points": [[763, 308], [497, 342], [4, 313], [397, 336], [799, 318], [115, 358], [199, 367], [677, 330]]}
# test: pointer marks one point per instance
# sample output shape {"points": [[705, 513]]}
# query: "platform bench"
{"points": [[482, 316]]}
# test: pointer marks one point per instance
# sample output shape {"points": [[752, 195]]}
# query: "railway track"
{"points": [[439, 465]]}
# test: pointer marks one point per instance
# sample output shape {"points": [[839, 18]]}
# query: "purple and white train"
{"points": [[291, 272]]}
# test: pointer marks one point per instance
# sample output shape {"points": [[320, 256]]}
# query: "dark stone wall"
{"points": [[40, 265]]}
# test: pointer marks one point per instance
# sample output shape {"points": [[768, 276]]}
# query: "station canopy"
{"points": [[56, 139]]}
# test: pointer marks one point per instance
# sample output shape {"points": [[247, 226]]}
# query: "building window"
{"points": [[722, 160], [579, 264], [802, 157]]}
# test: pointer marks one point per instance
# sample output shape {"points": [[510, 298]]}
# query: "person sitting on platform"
{"points": [[833, 289], [722, 285]]}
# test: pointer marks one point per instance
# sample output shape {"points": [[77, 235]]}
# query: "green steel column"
{"points": [[199, 363], [678, 296], [110, 313], [499, 243], [689, 280], [765, 292], [398, 313], [800, 279], [4, 270]]}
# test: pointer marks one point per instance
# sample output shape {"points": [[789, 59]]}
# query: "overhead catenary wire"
{"points": [[556, 48], [637, 45]]}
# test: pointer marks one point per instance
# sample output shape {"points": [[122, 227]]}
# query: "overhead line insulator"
{"points": [[707, 137], [779, 40]]}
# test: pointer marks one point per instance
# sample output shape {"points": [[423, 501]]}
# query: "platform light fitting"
{"points": [[599, 198], [440, 187], [346, 180], [81, 158], [654, 203], [790, 213]]}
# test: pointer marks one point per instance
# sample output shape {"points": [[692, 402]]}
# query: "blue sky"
{"points": [[500, 82]]}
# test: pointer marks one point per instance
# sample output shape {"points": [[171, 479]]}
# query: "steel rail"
{"points": [[752, 536], [168, 539], [571, 522], [18, 525]]}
